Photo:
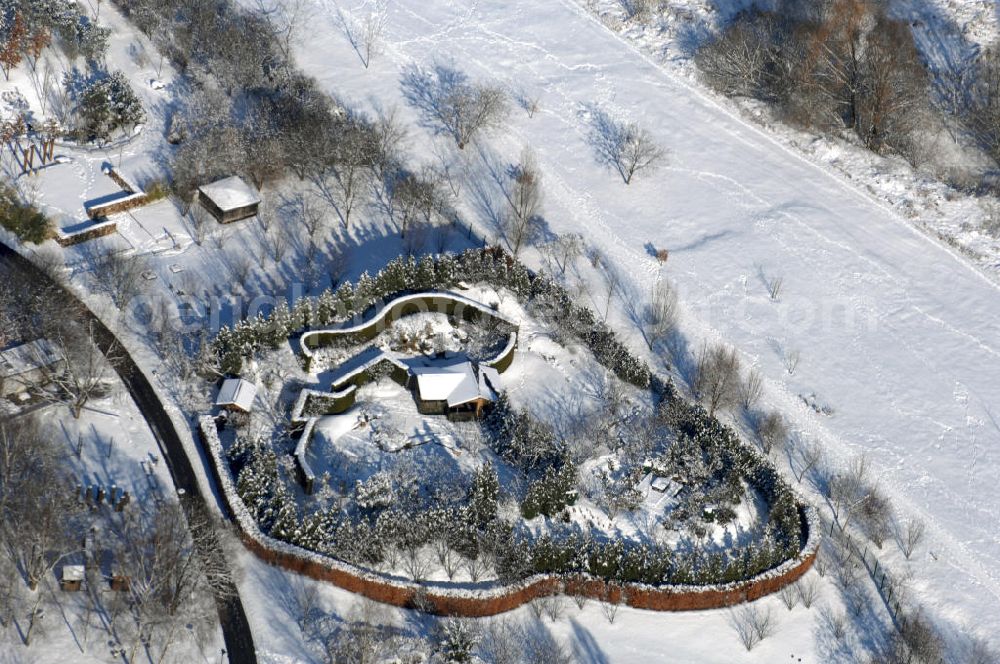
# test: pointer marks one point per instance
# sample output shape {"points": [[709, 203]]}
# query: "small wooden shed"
{"points": [[71, 579], [228, 200], [236, 395]]}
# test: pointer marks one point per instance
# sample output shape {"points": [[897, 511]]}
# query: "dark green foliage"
{"points": [[22, 219], [107, 105], [483, 496], [520, 439], [456, 640], [550, 494], [404, 274]]}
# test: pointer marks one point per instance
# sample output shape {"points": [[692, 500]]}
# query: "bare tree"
{"points": [[909, 536], [346, 179], [771, 430], [170, 585], [752, 623], [789, 595], [563, 250], [808, 455], [373, 31], [611, 602], [416, 196], [529, 103], [288, 18], [525, 199], [738, 62], [39, 518], [847, 491], [751, 388], [500, 643], [717, 377], [310, 215], [84, 370], [808, 590], [361, 639], [875, 516], [453, 105], [661, 317], [118, 274], [625, 146], [200, 223]]}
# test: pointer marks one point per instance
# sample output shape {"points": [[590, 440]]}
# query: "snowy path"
{"points": [[897, 334]]}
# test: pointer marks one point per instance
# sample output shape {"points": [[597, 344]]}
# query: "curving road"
{"points": [[232, 617]]}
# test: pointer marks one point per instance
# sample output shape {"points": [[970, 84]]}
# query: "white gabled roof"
{"points": [[456, 383], [230, 194], [27, 357], [237, 392], [73, 573]]}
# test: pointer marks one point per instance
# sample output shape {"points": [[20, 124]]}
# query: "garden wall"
{"points": [[450, 304], [91, 232], [136, 196], [493, 598]]}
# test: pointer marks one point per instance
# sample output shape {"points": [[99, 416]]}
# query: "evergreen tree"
{"points": [[483, 496]]}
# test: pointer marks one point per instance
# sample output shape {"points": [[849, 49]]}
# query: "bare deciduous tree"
{"points": [[347, 177], [847, 491], [39, 519], [789, 596], [808, 590], [807, 456], [771, 430], [373, 31], [453, 105], [118, 274], [625, 146], [563, 250], [717, 377], [200, 223], [525, 199], [170, 584], [910, 535], [84, 370], [661, 317], [751, 388], [753, 623], [875, 516]]}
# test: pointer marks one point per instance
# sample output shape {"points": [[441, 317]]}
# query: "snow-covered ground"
{"points": [[110, 445], [897, 333], [948, 33]]}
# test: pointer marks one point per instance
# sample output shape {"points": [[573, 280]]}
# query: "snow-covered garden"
{"points": [[584, 461]]}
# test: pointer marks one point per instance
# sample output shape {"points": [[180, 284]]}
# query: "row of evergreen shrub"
{"points": [[400, 276]]}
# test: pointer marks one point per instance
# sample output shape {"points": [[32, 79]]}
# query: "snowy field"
{"points": [[896, 332]]}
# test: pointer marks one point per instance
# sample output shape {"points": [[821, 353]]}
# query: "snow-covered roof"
{"points": [[72, 573], [27, 357], [237, 392], [231, 193], [659, 484], [456, 383]]}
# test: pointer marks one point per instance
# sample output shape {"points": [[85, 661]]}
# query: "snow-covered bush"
{"points": [[405, 275], [550, 494], [375, 492], [107, 105], [23, 219]]}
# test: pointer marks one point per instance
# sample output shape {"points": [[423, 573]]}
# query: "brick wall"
{"points": [[494, 599]]}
